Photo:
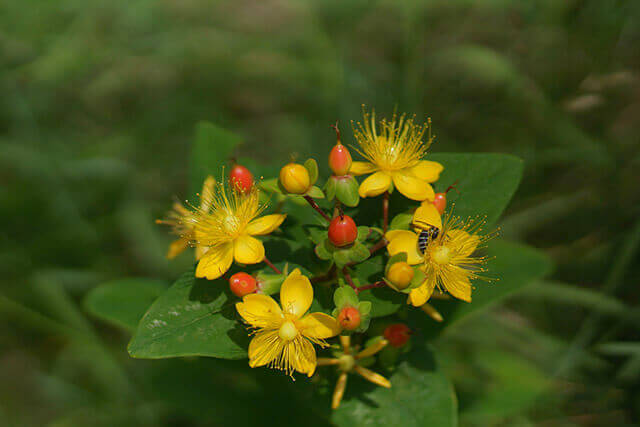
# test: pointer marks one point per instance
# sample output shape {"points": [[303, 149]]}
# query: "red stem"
{"points": [[379, 284], [273, 267], [315, 206], [325, 277], [347, 277], [381, 244]]}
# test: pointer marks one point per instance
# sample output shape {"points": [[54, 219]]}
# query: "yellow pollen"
{"points": [[442, 255], [288, 331]]}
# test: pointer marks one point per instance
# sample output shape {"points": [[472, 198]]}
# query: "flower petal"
{"points": [[458, 285], [463, 242], [404, 241], [264, 347], [177, 247], [420, 295], [302, 355], [265, 224], [427, 214], [375, 185], [319, 325], [296, 294], [260, 310], [412, 187], [427, 170], [248, 250], [206, 197], [361, 168], [215, 262]]}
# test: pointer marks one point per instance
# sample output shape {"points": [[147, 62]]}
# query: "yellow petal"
{"points": [[412, 187], [372, 376], [200, 251], [265, 224], [338, 392], [206, 197], [301, 355], [427, 170], [260, 310], [216, 261], [319, 325], [264, 347], [461, 287], [420, 295], [463, 242], [427, 214], [248, 250], [177, 247], [296, 294], [375, 185], [361, 168], [404, 241]]}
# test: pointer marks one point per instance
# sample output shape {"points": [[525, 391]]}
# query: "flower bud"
{"points": [[242, 284], [342, 231], [294, 178], [340, 160], [440, 202], [400, 274], [397, 334], [349, 318], [241, 178]]}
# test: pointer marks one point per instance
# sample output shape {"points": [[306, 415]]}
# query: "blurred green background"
{"points": [[99, 102]]}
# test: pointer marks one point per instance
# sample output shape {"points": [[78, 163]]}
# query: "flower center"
{"points": [[231, 224], [346, 362], [288, 331], [442, 255]]}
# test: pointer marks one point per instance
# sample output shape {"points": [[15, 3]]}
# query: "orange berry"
{"points": [[242, 284], [342, 231], [340, 160], [241, 178], [397, 334], [349, 318]]}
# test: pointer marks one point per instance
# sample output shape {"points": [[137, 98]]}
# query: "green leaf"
{"points": [[359, 253], [513, 265], [363, 233], [420, 395], [486, 182], [123, 302], [385, 301], [346, 189], [315, 192], [194, 317], [330, 188], [402, 221], [345, 295], [211, 150], [312, 167]]}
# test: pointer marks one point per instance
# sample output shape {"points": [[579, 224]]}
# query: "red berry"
{"points": [[440, 202], [397, 334], [342, 231], [242, 284], [241, 178], [340, 160], [349, 318]]}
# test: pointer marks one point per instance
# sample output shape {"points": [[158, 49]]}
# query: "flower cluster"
{"points": [[433, 254]]}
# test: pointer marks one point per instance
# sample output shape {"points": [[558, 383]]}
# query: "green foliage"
{"points": [[123, 302], [194, 317], [420, 395]]}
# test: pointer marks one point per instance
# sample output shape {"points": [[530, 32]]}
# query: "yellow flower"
{"points": [[349, 361], [181, 219], [284, 337], [447, 261], [226, 228], [394, 155]]}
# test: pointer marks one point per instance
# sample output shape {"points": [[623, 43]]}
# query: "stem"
{"points": [[381, 244], [315, 206], [385, 212], [379, 284], [348, 278], [325, 277], [270, 264]]}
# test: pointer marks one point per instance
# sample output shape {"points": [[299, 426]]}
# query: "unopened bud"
{"points": [[294, 178], [400, 274]]}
